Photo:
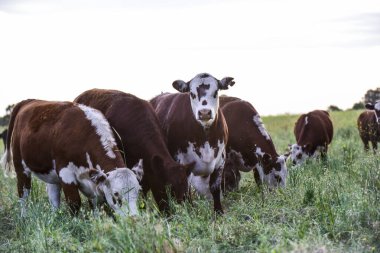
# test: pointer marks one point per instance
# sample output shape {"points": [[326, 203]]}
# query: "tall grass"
{"points": [[326, 207]]}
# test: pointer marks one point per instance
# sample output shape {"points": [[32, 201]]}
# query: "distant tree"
{"points": [[371, 96], [358, 106], [334, 108], [4, 121]]}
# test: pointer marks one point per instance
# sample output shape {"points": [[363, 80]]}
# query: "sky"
{"points": [[286, 56]]}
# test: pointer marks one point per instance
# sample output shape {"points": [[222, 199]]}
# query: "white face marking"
{"points": [[259, 152], [259, 123], [102, 128], [306, 118], [122, 185], [206, 162], [298, 156], [27, 171], [377, 106], [208, 96], [54, 193]]}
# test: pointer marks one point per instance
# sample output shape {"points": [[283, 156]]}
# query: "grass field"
{"points": [[330, 207]]}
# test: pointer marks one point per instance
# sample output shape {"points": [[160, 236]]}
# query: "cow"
{"points": [[3, 136], [313, 132], [369, 126], [140, 137], [250, 147], [70, 147], [196, 130]]}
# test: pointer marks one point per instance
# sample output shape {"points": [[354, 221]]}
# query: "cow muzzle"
{"points": [[204, 114]]}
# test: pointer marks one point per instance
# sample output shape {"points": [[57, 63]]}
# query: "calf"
{"points": [[313, 132], [250, 147], [196, 130], [69, 146], [140, 136], [369, 126]]}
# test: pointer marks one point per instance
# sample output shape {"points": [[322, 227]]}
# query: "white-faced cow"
{"points": [[369, 126], [70, 147], [313, 132], [196, 130], [141, 137], [250, 147]]}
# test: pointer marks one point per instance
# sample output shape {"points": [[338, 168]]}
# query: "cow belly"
{"points": [[51, 177]]}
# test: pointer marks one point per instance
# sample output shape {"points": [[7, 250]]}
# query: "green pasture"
{"points": [[325, 207]]}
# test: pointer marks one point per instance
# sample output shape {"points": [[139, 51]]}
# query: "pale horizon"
{"points": [[287, 56]]}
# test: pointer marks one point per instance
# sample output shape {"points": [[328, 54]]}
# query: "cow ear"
{"points": [[138, 170], [181, 86], [369, 106], [189, 168], [97, 176], [225, 82]]}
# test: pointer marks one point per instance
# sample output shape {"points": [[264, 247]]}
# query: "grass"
{"points": [[326, 207]]}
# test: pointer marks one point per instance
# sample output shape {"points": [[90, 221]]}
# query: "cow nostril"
{"points": [[204, 114]]}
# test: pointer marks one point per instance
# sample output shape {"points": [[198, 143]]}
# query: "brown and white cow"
{"points": [[250, 147], [314, 132], [141, 137], [196, 130], [70, 147], [369, 126]]}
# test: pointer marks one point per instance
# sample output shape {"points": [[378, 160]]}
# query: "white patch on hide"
{"points": [[102, 128], [206, 163], [201, 185], [306, 118], [259, 123], [54, 193]]}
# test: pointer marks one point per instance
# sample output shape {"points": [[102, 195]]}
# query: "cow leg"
{"points": [[214, 184], [24, 183], [374, 146], [54, 193], [72, 196]]}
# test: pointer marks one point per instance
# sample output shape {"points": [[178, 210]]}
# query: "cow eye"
{"points": [[192, 95], [116, 194]]}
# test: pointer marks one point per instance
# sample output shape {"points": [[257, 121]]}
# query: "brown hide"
{"points": [[180, 127], [368, 129], [317, 132], [244, 137], [137, 125], [42, 132]]}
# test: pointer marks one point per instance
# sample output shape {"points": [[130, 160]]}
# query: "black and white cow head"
{"points": [[299, 153], [272, 170], [203, 91], [376, 108]]}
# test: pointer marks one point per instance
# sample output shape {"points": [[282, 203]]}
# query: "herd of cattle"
{"points": [[173, 142]]}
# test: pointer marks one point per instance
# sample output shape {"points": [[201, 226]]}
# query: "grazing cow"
{"points": [[249, 147], [313, 132], [140, 136], [196, 130], [3, 136], [369, 126], [72, 147]]}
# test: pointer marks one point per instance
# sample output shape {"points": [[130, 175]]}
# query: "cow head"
{"points": [[299, 153], [120, 188], [203, 92], [376, 108], [272, 170]]}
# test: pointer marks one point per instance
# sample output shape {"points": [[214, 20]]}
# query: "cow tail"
{"points": [[6, 160]]}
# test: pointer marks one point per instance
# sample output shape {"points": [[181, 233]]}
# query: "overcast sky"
{"points": [[287, 56]]}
